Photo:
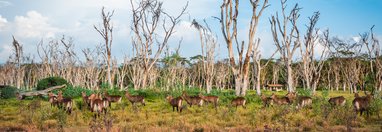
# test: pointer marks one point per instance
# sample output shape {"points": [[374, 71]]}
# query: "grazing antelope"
{"points": [[304, 101], [238, 101], [112, 98], [267, 101], [175, 103], [337, 101], [361, 104], [67, 103], [135, 99], [280, 101], [52, 99], [192, 100], [210, 99]]}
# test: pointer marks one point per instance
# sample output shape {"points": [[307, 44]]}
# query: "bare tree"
{"points": [[228, 19], [17, 59], [257, 66], [208, 43], [286, 40], [106, 31], [311, 67], [373, 50], [148, 17]]}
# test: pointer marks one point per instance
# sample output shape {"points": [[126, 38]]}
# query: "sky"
{"points": [[32, 21]]}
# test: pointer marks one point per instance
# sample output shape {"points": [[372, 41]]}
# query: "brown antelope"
{"points": [[238, 101], [267, 101], [280, 101], [105, 103], [337, 101], [67, 103], [135, 99], [291, 96], [361, 104], [304, 101], [175, 103], [52, 99], [210, 99], [192, 100], [85, 98], [97, 105], [91, 99], [112, 98]]}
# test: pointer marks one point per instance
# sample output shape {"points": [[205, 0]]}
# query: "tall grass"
{"points": [[37, 115]]}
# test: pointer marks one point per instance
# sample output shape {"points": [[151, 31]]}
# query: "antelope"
{"points": [[337, 101], [210, 99], [304, 101], [175, 102], [97, 105], [91, 99], [192, 100], [85, 98], [67, 103], [280, 101], [361, 104], [291, 96], [135, 98], [52, 99], [112, 98], [238, 101], [266, 100], [105, 104]]}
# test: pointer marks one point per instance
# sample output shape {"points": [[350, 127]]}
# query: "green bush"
{"points": [[8, 92], [50, 82], [74, 92], [304, 92]]}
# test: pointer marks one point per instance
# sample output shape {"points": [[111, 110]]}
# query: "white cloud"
{"points": [[5, 52], [3, 23], [356, 38], [34, 25]]}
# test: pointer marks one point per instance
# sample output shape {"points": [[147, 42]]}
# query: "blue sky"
{"points": [[31, 21]]}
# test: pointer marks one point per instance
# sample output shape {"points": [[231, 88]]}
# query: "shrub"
{"points": [[8, 92], [74, 92], [50, 82], [304, 92]]}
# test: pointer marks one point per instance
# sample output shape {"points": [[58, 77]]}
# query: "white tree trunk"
{"points": [[290, 76]]}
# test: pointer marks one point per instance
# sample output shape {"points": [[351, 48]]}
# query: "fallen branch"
{"points": [[21, 96]]}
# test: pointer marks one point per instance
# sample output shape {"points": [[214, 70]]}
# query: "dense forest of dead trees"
{"points": [[341, 64]]}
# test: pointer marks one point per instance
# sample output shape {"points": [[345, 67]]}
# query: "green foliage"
{"points": [[325, 93], [8, 92], [50, 82], [376, 104], [304, 92], [74, 92], [105, 86]]}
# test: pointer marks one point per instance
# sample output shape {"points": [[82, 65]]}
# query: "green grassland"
{"points": [[37, 115]]}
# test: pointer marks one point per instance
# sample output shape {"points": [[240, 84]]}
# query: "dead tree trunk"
{"points": [[106, 31], [21, 96], [288, 41], [147, 17], [228, 19]]}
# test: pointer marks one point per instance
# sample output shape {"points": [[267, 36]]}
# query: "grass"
{"points": [[37, 115]]}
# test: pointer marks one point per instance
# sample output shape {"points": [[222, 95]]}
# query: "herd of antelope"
{"points": [[98, 104]]}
